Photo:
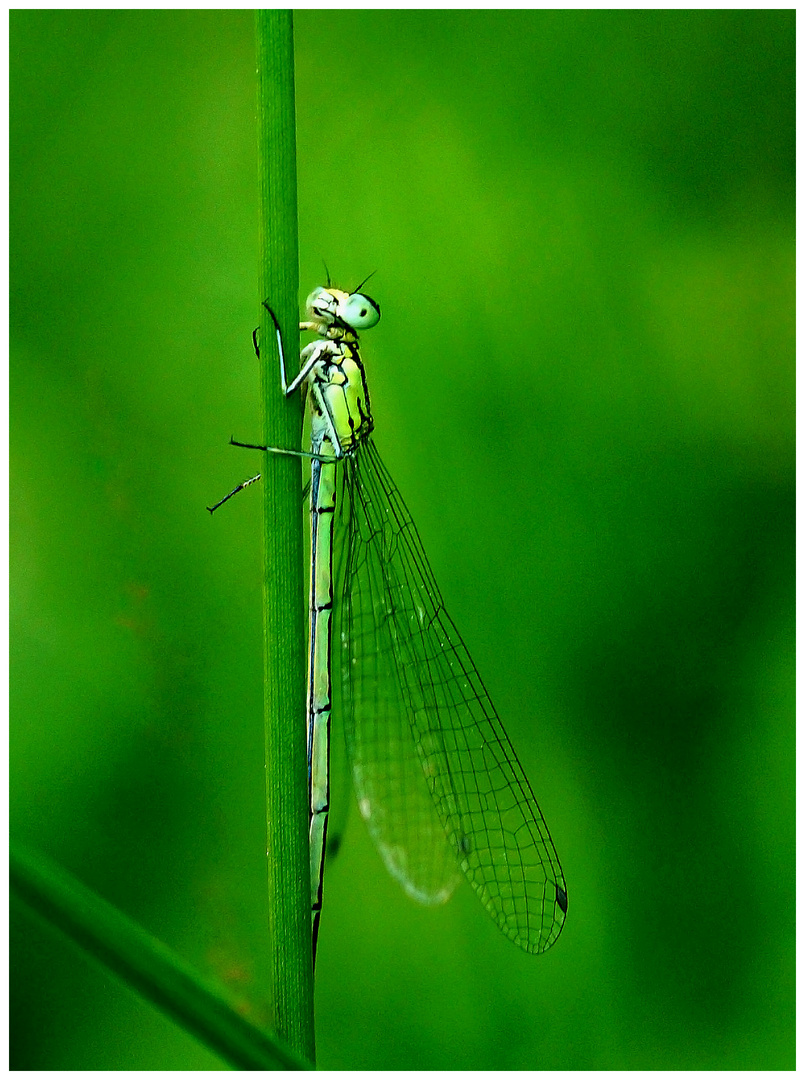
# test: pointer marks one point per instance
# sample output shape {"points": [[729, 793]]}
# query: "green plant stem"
{"points": [[144, 963], [286, 751]]}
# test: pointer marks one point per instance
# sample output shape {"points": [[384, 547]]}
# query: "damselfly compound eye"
{"points": [[360, 312]]}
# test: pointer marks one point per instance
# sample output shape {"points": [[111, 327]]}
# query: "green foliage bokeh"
{"points": [[582, 226]]}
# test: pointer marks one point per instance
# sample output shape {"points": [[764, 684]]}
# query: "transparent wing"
{"points": [[438, 781], [392, 791]]}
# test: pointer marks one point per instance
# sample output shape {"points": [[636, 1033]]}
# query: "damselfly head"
{"points": [[334, 308]]}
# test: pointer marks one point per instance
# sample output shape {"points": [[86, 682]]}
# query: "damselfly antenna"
{"points": [[359, 287]]}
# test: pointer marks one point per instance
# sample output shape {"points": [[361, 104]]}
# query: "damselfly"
{"points": [[437, 780]]}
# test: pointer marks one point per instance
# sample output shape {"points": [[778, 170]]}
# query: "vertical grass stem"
{"points": [[286, 771]]}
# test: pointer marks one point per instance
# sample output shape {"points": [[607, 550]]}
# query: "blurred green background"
{"points": [[582, 226]]}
